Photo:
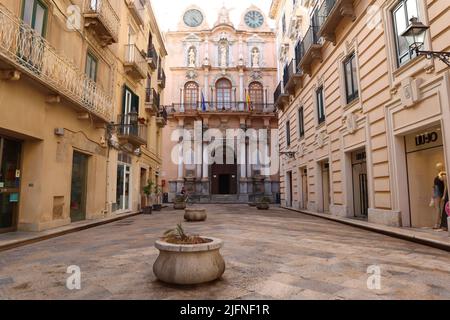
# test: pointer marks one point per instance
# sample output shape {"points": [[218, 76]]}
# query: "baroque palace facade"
{"points": [[220, 77], [80, 118], [364, 121]]}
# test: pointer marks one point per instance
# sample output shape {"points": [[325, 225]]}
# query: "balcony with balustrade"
{"points": [[100, 17], [292, 77], [162, 79], [331, 13], [280, 97], [310, 49], [152, 57], [162, 117], [135, 63], [25, 52], [225, 107], [131, 130], [137, 9], [152, 101]]}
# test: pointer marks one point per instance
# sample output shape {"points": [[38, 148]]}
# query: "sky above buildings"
{"points": [[168, 12]]}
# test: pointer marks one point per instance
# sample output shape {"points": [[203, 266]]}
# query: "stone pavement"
{"points": [[278, 254]]}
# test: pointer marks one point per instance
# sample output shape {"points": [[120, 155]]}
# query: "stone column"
{"points": [[182, 100], [206, 80], [243, 178], [241, 90], [205, 171], [180, 178]]}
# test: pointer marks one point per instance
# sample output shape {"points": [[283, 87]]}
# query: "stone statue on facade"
{"points": [[255, 58], [191, 58], [223, 55]]}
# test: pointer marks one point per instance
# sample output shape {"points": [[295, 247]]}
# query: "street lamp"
{"points": [[415, 36]]}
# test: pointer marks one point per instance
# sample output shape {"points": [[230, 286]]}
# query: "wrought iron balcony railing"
{"points": [[280, 96], [331, 12], [162, 78], [28, 52], [231, 106], [100, 15], [162, 116], [152, 57], [278, 91], [292, 77], [130, 129], [135, 62], [310, 49], [152, 98]]}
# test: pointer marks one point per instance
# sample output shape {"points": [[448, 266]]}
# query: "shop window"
{"points": [[351, 83], [401, 14]]}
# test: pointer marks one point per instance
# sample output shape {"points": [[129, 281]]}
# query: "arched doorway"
{"points": [[256, 93], [224, 175], [223, 94], [190, 95]]}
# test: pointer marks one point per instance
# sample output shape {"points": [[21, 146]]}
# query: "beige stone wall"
{"points": [[27, 114], [381, 85]]}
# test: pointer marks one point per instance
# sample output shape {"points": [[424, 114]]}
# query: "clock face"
{"points": [[254, 19], [193, 18]]}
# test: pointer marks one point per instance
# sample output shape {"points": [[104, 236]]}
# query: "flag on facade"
{"points": [[203, 103], [249, 102]]}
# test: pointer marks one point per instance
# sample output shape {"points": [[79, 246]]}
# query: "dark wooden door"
{"points": [[10, 151], [224, 179]]}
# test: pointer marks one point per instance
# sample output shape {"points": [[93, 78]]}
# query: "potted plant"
{"points": [[179, 203], [147, 209], [157, 205], [188, 259], [263, 204]]}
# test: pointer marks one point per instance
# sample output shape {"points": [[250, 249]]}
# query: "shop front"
{"points": [[10, 173], [427, 178]]}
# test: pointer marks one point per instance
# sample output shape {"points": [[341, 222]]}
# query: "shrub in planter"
{"points": [[186, 259], [179, 202], [263, 204]]}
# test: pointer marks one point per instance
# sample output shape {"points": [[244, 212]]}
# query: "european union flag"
{"points": [[203, 103]]}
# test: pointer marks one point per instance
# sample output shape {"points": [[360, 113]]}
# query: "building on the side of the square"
{"points": [[80, 121], [363, 121], [220, 76]]}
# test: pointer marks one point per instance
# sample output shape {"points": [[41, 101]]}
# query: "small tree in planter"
{"points": [[179, 203], [157, 205], [148, 197], [263, 204]]}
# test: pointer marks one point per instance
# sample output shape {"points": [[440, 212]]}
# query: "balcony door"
{"points": [[34, 13], [256, 93], [223, 94], [191, 95], [130, 112], [9, 183], [79, 186]]}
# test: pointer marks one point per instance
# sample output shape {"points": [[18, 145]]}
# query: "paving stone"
{"points": [[276, 254]]}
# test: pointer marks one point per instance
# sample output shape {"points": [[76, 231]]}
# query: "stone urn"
{"points": [[263, 206], [189, 264], [195, 215], [179, 205]]}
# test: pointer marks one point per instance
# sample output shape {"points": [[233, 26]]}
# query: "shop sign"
{"points": [[424, 140]]}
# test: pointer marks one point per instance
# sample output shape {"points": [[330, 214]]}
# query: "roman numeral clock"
{"points": [[254, 19]]}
